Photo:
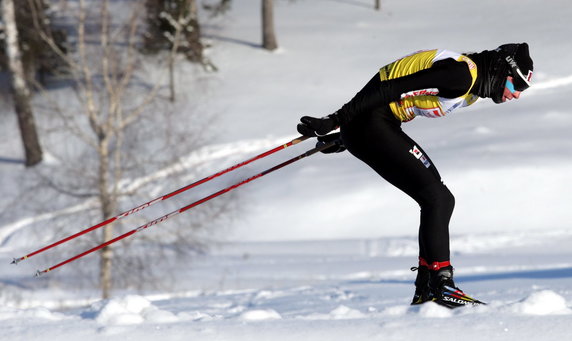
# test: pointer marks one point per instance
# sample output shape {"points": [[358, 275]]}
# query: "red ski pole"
{"points": [[181, 210], [164, 197]]}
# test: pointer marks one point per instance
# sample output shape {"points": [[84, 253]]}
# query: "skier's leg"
{"points": [[437, 203], [378, 140]]}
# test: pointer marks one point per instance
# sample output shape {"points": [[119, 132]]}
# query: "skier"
{"points": [[429, 83]]}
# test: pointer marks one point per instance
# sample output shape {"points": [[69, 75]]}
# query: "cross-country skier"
{"points": [[427, 83]]}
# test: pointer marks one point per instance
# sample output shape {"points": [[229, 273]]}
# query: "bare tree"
{"points": [[21, 92], [119, 130], [173, 26], [268, 33], [185, 24], [377, 5], [219, 8], [166, 19]]}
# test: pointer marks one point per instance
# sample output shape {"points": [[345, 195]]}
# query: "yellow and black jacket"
{"points": [[429, 83]]}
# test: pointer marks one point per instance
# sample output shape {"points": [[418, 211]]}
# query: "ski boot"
{"points": [[421, 285], [442, 290]]}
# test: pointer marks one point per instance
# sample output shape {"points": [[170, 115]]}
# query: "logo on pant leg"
{"points": [[419, 156]]}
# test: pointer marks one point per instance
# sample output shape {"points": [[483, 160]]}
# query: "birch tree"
{"points": [[119, 130], [21, 92]]}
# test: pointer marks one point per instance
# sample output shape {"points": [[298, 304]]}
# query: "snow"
{"points": [[323, 248], [322, 289]]}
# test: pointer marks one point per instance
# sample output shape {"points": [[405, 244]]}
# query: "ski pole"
{"points": [[183, 209], [161, 198]]}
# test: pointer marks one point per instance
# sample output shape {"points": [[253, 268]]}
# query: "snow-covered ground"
{"points": [[323, 248], [324, 290]]}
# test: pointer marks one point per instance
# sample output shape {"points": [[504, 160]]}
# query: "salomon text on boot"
{"points": [[442, 290]]}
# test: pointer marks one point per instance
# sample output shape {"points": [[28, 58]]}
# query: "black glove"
{"points": [[312, 126], [336, 148]]}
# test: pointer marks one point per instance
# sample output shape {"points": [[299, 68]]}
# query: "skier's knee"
{"points": [[436, 196]]}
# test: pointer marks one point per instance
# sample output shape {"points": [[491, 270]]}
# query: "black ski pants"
{"points": [[377, 139]]}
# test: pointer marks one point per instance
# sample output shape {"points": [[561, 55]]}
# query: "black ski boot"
{"points": [[421, 285], [442, 290]]}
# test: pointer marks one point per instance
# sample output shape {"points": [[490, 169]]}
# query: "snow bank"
{"points": [[545, 302], [9, 313], [260, 315], [342, 312], [130, 309], [434, 310]]}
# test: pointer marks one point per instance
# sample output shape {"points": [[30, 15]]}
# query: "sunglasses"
{"points": [[510, 86]]}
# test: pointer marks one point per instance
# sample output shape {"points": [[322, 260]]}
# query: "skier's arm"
{"points": [[450, 77]]}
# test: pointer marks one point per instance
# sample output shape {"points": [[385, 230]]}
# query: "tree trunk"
{"points": [[108, 208], [193, 34], [268, 34], [30, 141], [378, 5]]}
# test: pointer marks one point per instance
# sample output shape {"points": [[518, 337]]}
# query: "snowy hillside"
{"points": [[322, 248]]}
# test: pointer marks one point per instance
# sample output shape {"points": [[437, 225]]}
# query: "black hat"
{"points": [[519, 63]]}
